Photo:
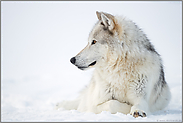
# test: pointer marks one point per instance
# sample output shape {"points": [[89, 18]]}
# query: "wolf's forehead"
{"points": [[98, 31]]}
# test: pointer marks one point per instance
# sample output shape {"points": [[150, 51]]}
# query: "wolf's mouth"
{"points": [[93, 63], [83, 68]]}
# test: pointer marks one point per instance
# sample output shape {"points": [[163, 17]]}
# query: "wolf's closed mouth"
{"points": [[82, 68], [93, 63]]}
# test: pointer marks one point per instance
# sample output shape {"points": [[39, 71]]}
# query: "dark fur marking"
{"points": [[102, 23], [160, 84], [107, 29], [150, 47], [113, 97], [147, 43], [162, 77], [128, 103], [109, 91], [140, 85], [161, 81]]}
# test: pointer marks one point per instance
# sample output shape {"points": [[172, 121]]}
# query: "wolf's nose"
{"points": [[73, 60]]}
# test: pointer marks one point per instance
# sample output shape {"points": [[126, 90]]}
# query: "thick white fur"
{"points": [[125, 72]]}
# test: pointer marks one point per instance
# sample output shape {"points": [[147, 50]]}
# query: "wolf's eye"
{"points": [[94, 41]]}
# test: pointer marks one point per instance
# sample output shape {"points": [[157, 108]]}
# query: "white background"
{"points": [[39, 38]]}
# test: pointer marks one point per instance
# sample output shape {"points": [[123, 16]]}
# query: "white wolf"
{"points": [[128, 75]]}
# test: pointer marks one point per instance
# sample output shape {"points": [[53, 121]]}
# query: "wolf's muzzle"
{"points": [[93, 63]]}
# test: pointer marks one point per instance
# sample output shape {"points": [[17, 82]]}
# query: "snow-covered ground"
{"points": [[39, 38]]}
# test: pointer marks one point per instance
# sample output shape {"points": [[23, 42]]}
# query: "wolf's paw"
{"points": [[138, 113], [59, 105]]}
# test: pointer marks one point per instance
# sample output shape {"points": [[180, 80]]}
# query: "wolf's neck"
{"points": [[114, 72]]}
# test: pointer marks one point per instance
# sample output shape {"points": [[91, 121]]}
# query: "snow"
{"points": [[39, 38]]}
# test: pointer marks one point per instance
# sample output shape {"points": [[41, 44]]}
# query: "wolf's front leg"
{"points": [[68, 105], [140, 109], [114, 106], [138, 96]]}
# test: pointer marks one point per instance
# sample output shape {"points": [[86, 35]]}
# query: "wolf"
{"points": [[128, 75]]}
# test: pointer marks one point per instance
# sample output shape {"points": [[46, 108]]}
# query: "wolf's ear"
{"points": [[98, 15], [107, 19]]}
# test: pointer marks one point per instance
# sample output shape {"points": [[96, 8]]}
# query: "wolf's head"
{"points": [[103, 43]]}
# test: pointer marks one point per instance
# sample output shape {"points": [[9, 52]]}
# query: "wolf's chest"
{"points": [[111, 87], [117, 91]]}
